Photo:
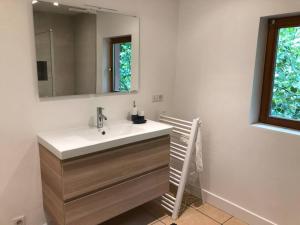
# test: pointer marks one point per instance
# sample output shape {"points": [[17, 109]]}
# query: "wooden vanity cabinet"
{"points": [[91, 189]]}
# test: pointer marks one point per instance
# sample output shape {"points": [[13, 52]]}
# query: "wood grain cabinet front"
{"points": [[93, 188]]}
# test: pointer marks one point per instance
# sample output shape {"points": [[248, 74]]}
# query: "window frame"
{"points": [[113, 41], [274, 24]]}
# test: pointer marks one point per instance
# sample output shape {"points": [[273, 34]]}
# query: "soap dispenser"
{"points": [[137, 116], [134, 112]]}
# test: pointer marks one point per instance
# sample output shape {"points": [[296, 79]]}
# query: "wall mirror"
{"points": [[83, 50]]}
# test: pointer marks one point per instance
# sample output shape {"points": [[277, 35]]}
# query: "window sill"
{"points": [[276, 128]]}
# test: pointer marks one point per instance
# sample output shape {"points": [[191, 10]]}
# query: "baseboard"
{"points": [[234, 209]]}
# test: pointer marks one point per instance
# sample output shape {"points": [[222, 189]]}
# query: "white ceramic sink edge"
{"points": [[69, 143]]}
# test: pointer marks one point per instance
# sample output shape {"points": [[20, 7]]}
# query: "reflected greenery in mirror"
{"points": [[125, 66]]}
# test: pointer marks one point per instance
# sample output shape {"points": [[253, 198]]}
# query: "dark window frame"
{"points": [[273, 26]]}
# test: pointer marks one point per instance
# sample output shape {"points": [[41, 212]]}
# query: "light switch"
{"points": [[157, 98]]}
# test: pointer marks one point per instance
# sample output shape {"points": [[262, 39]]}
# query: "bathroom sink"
{"points": [[75, 142]]}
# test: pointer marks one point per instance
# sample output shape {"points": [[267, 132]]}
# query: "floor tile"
{"points": [[157, 223], [191, 217], [136, 216], [235, 221], [213, 212]]}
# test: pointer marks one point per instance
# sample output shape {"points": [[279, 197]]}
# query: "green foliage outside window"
{"points": [[286, 87], [125, 66]]}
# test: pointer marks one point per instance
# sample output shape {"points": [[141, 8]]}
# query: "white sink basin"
{"points": [[74, 142]]}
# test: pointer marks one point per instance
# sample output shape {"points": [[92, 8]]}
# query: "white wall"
{"points": [[254, 168], [85, 53], [22, 114]]}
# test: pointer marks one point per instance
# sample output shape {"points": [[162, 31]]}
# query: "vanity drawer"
{"points": [[108, 203], [97, 171]]}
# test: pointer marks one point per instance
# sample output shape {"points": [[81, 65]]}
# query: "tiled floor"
{"points": [[193, 214]]}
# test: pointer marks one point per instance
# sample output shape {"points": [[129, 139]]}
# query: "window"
{"points": [[121, 54], [280, 103]]}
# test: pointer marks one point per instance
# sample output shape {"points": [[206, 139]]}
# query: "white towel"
{"points": [[199, 154], [198, 149]]}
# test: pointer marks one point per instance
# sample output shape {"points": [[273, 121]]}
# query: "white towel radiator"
{"points": [[182, 153]]}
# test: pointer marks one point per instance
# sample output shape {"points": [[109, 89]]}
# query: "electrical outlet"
{"points": [[19, 220], [157, 98]]}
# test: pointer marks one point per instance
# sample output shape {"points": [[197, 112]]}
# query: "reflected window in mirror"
{"points": [[120, 68]]}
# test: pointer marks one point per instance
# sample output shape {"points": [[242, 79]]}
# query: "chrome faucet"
{"points": [[100, 117]]}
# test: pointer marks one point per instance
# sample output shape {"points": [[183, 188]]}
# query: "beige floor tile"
{"points": [[136, 216], [235, 221], [213, 212], [157, 223], [191, 217]]}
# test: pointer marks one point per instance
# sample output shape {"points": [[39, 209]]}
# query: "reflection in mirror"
{"points": [[44, 62], [118, 45], [84, 51], [120, 66]]}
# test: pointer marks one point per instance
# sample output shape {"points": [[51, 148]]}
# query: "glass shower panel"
{"points": [[45, 71]]}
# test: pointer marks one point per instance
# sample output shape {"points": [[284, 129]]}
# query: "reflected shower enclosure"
{"points": [[44, 55]]}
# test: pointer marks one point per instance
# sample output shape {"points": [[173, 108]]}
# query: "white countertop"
{"points": [[74, 142]]}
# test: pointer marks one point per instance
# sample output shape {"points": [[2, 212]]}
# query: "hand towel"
{"points": [[198, 149], [199, 152]]}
